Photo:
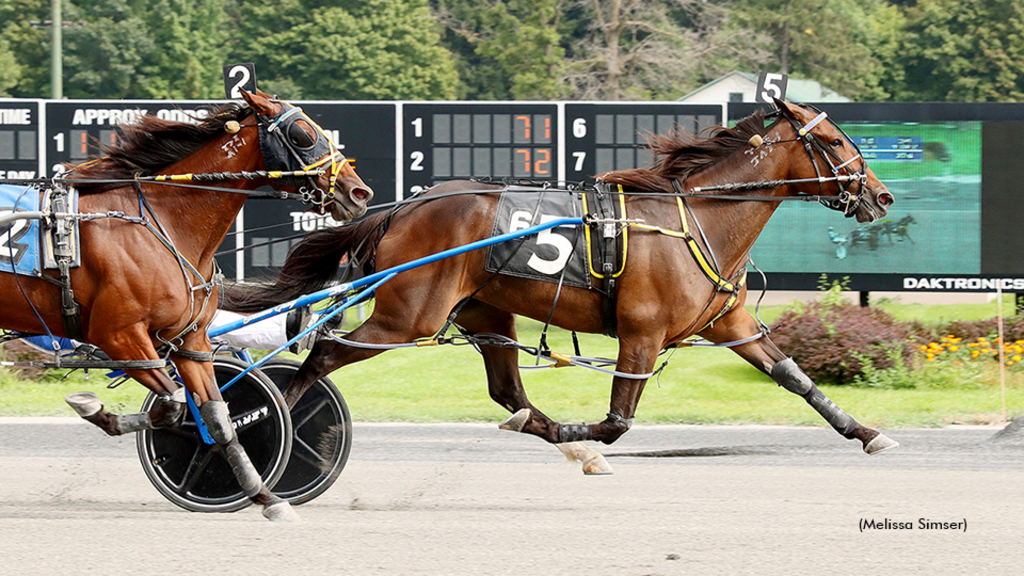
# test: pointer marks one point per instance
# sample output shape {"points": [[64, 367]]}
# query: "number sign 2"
{"points": [[238, 77]]}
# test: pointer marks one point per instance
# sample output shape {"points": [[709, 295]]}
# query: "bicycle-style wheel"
{"points": [[322, 435], [195, 475]]}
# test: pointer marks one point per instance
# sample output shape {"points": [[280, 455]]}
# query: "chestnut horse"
{"points": [[664, 292], [147, 277]]}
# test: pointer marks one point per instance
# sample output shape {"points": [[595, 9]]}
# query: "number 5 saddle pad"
{"points": [[559, 254], [25, 244]]}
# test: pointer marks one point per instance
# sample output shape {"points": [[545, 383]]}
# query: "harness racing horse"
{"points": [[147, 277], [664, 291]]}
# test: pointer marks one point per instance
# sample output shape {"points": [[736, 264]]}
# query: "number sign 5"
{"points": [[771, 86], [520, 220]]}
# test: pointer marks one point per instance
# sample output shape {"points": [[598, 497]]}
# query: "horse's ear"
{"points": [[783, 106], [260, 102]]}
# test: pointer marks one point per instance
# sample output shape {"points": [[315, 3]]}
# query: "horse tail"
{"points": [[311, 265]]}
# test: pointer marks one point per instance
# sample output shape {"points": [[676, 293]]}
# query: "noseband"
{"points": [[286, 146], [845, 201]]}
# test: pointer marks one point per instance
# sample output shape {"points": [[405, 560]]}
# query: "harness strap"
{"points": [[698, 254]]}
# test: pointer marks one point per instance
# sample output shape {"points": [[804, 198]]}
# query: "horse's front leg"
{"points": [[199, 379], [766, 356]]}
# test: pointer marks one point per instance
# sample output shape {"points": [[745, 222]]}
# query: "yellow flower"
{"points": [[954, 348], [1015, 358]]}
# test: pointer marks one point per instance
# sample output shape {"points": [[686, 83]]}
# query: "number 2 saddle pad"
{"points": [[25, 244], [558, 254]]}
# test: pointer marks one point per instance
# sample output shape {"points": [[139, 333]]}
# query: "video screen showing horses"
{"points": [[934, 170]]}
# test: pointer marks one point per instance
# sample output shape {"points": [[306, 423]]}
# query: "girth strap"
{"points": [[604, 242], [62, 232], [193, 355]]}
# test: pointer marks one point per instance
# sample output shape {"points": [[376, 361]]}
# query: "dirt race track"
{"points": [[470, 500]]}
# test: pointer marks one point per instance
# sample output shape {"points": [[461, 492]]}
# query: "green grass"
{"points": [[699, 386]]}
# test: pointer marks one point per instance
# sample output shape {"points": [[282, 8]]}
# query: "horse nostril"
{"points": [[360, 194], [886, 199]]}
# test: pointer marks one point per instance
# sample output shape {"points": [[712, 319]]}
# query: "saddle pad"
{"points": [[545, 256], [19, 239]]}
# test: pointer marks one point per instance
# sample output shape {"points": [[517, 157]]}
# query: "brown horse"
{"points": [[664, 292], [147, 277]]}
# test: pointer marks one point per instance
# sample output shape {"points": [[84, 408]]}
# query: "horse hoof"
{"points": [[593, 463], [597, 466], [880, 443], [517, 421], [281, 512], [86, 404]]}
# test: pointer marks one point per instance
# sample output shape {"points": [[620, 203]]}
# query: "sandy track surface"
{"points": [[469, 500]]}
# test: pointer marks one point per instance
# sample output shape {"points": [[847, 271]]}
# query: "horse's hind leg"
{"points": [[168, 408], [506, 387], [766, 356]]}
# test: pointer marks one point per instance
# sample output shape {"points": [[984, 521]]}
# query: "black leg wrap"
{"points": [[573, 433], [614, 426], [788, 375]]}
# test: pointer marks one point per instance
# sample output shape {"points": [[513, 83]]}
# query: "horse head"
{"points": [[291, 141], [855, 189]]}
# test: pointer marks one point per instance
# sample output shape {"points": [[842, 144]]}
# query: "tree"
{"points": [[642, 49], [506, 49], [964, 50], [829, 41], [373, 49], [28, 44], [192, 41], [10, 71]]}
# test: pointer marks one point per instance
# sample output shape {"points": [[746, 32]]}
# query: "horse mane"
{"points": [[151, 144], [679, 155]]}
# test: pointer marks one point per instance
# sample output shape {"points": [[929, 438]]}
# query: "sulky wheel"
{"points": [[322, 432], [194, 475]]}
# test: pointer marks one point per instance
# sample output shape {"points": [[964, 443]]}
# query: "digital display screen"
{"points": [[7, 145], [607, 136], [933, 170], [621, 138], [461, 140], [18, 145], [497, 145]]}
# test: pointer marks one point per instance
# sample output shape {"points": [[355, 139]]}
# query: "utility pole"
{"points": [[56, 51]]}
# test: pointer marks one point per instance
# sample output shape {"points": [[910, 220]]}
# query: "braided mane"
{"points": [[679, 155], [151, 144]]}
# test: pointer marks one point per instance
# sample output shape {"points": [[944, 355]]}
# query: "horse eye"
{"points": [[299, 137], [837, 143]]}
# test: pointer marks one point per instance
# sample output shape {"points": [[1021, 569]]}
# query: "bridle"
{"points": [[286, 146], [845, 201]]}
